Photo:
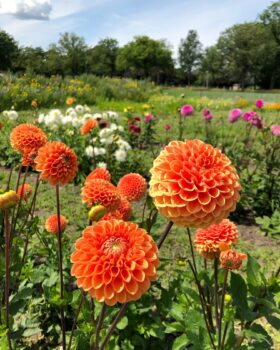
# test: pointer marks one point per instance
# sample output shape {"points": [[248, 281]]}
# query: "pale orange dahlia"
{"points": [[89, 125], [99, 173], [193, 184], [51, 224], [27, 139], [125, 208], [115, 261], [57, 163], [24, 191], [132, 186], [98, 191], [211, 241], [231, 259]]}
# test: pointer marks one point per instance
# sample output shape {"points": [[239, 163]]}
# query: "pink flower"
{"points": [[248, 116], [186, 110], [259, 103], [207, 115], [275, 129], [167, 127], [234, 115], [256, 121], [148, 118]]}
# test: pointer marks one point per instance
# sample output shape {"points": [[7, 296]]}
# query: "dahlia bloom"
{"points": [[24, 191], [89, 125], [186, 111], [57, 163], [69, 101], [231, 259], [27, 139], [210, 241], [234, 115], [102, 192], [99, 173], [114, 215], [248, 116], [34, 104], [193, 184], [207, 115], [256, 121], [275, 129], [115, 261], [51, 224], [132, 186], [167, 127], [259, 103], [148, 118], [125, 209], [8, 200]]}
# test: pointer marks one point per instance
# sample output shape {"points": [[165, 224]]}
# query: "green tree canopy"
{"points": [[8, 50]]}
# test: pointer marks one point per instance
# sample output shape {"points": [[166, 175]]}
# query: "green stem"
{"points": [[222, 310], [7, 277]]}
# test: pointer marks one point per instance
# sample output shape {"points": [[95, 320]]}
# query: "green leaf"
{"points": [[175, 327], [254, 277], [123, 323], [177, 312], [180, 343], [239, 294]]}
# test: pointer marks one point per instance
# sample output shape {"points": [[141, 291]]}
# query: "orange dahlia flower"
{"points": [[194, 184], [69, 100], [115, 261], [132, 186], [51, 224], [212, 240], [89, 125], [125, 208], [34, 104], [231, 259], [24, 191], [114, 215], [99, 173], [57, 163], [98, 191], [27, 139]]}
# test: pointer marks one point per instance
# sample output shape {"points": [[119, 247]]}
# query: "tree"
{"points": [[8, 51], [102, 57], [190, 52], [72, 49], [31, 60], [144, 57], [271, 18]]}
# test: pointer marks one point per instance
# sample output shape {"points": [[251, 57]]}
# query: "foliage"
{"points": [[270, 226]]}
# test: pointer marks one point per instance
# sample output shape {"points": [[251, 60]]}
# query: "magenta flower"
{"points": [[167, 127], [248, 116], [259, 103], [207, 115], [234, 115], [256, 121], [186, 110], [148, 118], [275, 130]]}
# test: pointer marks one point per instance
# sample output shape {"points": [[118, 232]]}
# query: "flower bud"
{"points": [[228, 298], [8, 200], [97, 212]]}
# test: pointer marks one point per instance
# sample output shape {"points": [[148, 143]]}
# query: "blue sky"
{"points": [[39, 22]]}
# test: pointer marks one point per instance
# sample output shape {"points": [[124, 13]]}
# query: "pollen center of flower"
{"points": [[114, 245]]}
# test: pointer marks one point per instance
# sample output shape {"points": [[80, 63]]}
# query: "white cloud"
{"points": [[27, 9]]}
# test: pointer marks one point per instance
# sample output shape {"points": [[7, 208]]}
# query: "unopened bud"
{"points": [[228, 298], [97, 212], [8, 200]]}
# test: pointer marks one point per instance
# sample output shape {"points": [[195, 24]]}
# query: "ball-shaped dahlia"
{"points": [[115, 261], [125, 208], [187, 110], [193, 184], [27, 139], [24, 191], [132, 186], [231, 259], [57, 163], [211, 240], [99, 173], [51, 224], [113, 215], [89, 125], [98, 191]]}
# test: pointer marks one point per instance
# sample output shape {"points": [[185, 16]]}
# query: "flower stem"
{"points": [[222, 310], [82, 299], [7, 275], [164, 234], [216, 291], [192, 251], [99, 326], [59, 237]]}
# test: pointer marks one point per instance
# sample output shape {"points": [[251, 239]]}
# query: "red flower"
{"points": [[115, 261], [51, 224]]}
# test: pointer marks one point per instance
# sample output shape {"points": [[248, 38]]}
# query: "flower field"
{"points": [[136, 217]]}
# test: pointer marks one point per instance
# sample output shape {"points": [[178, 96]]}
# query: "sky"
{"points": [[40, 22]]}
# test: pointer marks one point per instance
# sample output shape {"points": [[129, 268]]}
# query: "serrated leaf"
{"points": [[180, 343]]}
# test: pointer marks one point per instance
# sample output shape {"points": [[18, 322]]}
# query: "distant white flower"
{"points": [[87, 109], [105, 133], [89, 151], [12, 115], [50, 119], [113, 127], [120, 155], [99, 151], [56, 113], [76, 122], [5, 114], [108, 140], [41, 118], [123, 144], [73, 114], [112, 115], [69, 132], [120, 128], [101, 165], [97, 116], [66, 120], [79, 109]]}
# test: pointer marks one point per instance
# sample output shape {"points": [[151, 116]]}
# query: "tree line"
{"points": [[247, 54]]}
